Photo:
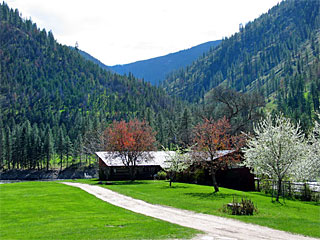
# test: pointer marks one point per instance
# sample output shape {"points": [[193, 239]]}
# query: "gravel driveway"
{"points": [[213, 226]]}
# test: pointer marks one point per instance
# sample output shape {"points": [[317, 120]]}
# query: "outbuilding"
{"points": [[112, 168]]}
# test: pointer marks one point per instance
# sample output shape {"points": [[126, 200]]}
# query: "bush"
{"points": [[199, 176], [266, 186], [161, 175], [244, 207]]}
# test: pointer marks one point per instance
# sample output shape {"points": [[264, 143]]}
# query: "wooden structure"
{"points": [[232, 176], [112, 168]]}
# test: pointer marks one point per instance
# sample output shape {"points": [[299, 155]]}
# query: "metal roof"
{"points": [[159, 158]]}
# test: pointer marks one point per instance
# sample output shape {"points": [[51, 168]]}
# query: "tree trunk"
{"points": [[48, 159], [214, 181], [279, 189], [170, 182], [60, 161]]}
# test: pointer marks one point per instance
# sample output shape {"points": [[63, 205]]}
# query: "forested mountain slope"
{"points": [[50, 96], [93, 59], [154, 70], [277, 55]]}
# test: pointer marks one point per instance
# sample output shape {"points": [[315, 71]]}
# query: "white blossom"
{"points": [[176, 163], [309, 168], [276, 149]]}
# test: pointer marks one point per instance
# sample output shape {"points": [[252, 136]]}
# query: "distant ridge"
{"points": [[155, 70], [93, 59]]}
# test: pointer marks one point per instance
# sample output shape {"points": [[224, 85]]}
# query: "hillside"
{"points": [[155, 70], [271, 55], [94, 60], [50, 96]]}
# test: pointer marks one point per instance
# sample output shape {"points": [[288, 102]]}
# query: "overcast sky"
{"points": [[124, 31]]}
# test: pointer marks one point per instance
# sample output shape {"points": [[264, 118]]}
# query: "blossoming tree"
{"points": [[309, 167], [210, 137], [276, 150], [130, 142], [178, 161]]}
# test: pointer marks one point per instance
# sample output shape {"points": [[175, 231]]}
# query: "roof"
{"points": [[159, 158], [222, 153]]}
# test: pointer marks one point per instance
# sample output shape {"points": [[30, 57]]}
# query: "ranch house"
{"points": [[233, 176], [112, 168]]}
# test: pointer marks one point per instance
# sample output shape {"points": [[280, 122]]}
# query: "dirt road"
{"points": [[213, 226]]}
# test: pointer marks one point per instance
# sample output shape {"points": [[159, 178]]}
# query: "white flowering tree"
{"points": [[309, 168], [276, 149], [315, 141], [177, 162]]}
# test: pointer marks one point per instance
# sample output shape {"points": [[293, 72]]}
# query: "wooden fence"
{"points": [[307, 191]]}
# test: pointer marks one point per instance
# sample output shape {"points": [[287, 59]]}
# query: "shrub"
{"points": [[199, 175], [161, 175], [244, 207]]}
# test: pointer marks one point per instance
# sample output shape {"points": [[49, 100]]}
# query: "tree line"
{"points": [[276, 55], [47, 89]]}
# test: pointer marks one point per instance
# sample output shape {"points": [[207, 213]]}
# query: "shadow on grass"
{"points": [[119, 183], [173, 187], [213, 195]]}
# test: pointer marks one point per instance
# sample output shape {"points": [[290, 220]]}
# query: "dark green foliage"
{"points": [[185, 129], [276, 55], [50, 96], [154, 70]]}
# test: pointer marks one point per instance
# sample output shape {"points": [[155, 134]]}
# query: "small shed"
{"points": [[112, 168]]}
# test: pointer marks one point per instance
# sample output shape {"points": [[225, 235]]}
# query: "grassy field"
{"points": [[292, 216], [50, 210]]}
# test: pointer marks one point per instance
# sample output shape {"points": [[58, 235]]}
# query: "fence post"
{"points": [[290, 193], [305, 191], [283, 192], [272, 190], [258, 184]]}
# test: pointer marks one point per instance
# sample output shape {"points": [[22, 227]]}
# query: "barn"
{"points": [[112, 168], [233, 176]]}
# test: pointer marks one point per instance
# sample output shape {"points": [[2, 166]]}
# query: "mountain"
{"points": [[154, 70], [51, 96], [94, 60], [277, 55]]}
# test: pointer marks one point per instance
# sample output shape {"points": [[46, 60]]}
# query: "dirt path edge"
{"points": [[215, 227]]}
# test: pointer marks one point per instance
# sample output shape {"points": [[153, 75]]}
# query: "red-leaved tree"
{"points": [[210, 138], [131, 141]]}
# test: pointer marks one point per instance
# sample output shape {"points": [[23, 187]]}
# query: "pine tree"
{"points": [[8, 147], [60, 146], [2, 147], [68, 148], [48, 146], [185, 129]]}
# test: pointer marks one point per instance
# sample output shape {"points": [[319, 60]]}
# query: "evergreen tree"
{"points": [[61, 146], [48, 146], [185, 129], [2, 147], [68, 148]]}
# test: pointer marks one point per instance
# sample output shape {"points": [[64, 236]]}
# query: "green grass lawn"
{"points": [[50, 210], [292, 216]]}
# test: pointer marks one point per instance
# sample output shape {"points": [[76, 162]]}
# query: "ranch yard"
{"points": [[51, 210]]}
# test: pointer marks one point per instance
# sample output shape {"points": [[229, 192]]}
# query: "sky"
{"points": [[125, 31]]}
